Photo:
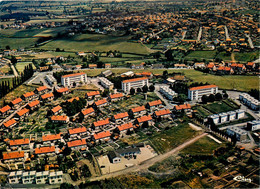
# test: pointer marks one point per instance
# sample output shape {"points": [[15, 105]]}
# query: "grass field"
{"points": [[49, 32], [203, 146], [218, 107], [246, 56], [16, 43], [5, 68], [201, 55], [21, 65], [97, 42]]}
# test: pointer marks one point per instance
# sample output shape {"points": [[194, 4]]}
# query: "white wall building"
{"points": [[167, 92], [106, 83], [28, 177], [195, 93], [253, 125], [15, 177], [134, 83], [227, 117], [51, 80], [77, 78], [251, 102], [42, 177], [56, 177]]}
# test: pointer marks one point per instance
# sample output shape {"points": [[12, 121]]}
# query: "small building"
{"points": [[106, 83], [126, 152], [120, 117], [231, 115], [77, 144], [41, 90], [143, 119], [223, 117], [115, 97], [56, 177], [106, 73], [22, 113], [63, 91], [47, 97], [51, 80], [125, 127], [101, 123], [16, 103], [253, 125], [24, 143], [137, 111], [167, 92], [166, 113], [51, 138], [240, 113], [87, 112], [10, 123], [92, 66], [241, 134], [28, 177], [42, 177], [181, 107], [72, 99], [78, 131], [28, 96], [5, 110], [214, 118], [114, 157], [13, 156], [33, 105], [154, 104], [56, 110], [105, 135], [93, 95], [100, 103], [49, 150], [59, 119], [107, 66], [15, 177]]}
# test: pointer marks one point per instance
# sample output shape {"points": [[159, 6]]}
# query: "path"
{"points": [[233, 57], [146, 164], [195, 127], [213, 138], [250, 41], [14, 70], [199, 35], [226, 32]]}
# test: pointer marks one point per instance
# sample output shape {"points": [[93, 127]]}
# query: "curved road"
{"points": [[150, 162]]}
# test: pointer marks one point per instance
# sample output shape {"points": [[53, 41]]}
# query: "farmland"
{"points": [[21, 65], [200, 55]]}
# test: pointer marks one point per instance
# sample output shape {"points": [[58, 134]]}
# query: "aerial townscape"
{"points": [[129, 94]]}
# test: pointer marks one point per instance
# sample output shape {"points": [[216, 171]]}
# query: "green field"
{"points": [[218, 107], [97, 42], [16, 43], [224, 57], [246, 56], [21, 65], [5, 68], [208, 55], [204, 145]]}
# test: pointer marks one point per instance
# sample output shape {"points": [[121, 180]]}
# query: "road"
{"points": [[14, 70], [184, 34], [199, 35], [226, 32], [250, 41], [146, 164]]}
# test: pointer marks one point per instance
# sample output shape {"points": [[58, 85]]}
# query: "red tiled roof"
{"points": [[28, 94], [72, 99], [146, 73], [34, 103], [87, 111], [135, 79], [102, 135], [45, 150], [162, 112], [5, 109], [16, 101], [9, 123], [101, 122], [77, 130], [19, 142], [48, 95], [183, 107], [92, 65], [138, 109], [100, 102], [144, 118], [22, 112], [51, 137], [62, 90], [73, 75], [125, 126], [93, 93], [250, 63], [240, 65], [42, 88], [56, 109], [59, 118], [117, 95], [155, 103], [77, 143], [202, 87], [121, 115], [13, 155]]}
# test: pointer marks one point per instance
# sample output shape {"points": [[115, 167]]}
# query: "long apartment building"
{"points": [[134, 83], [195, 93], [77, 78], [250, 101], [106, 83], [167, 92]]}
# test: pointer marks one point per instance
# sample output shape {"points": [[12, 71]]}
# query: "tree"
{"points": [[168, 55], [165, 74], [218, 96], [145, 89], [204, 99], [180, 98], [225, 95], [132, 91], [151, 88], [66, 186], [211, 98], [7, 47], [139, 90], [105, 93]]}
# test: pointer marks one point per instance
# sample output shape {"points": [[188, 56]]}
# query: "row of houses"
{"points": [[226, 116], [250, 101]]}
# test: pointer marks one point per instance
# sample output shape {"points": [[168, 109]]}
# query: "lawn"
{"points": [[223, 56], [218, 107], [49, 32], [246, 56], [201, 55], [97, 42], [16, 43], [203, 146], [21, 65], [168, 139]]}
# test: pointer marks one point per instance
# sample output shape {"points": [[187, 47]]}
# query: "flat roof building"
{"points": [[195, 93], [134, 83], [71, 79]]}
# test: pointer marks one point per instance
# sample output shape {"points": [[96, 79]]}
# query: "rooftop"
{"points": [[77, 143], [125, 126], [135, 79], [77, 130], [13, 155], [101, 122], [73, 75], [51, 137], [101, 135], [202, 87], [44, 150], [18, 142]]}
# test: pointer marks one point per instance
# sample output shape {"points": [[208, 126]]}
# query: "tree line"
{"points": [[7, 86]]}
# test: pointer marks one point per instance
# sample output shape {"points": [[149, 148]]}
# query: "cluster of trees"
{"points": [[144, 89], [71, 108], [7, 86], [254, 93], [211, 98], [115, 53]]}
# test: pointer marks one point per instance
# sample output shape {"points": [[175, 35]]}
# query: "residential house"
{"points": [[185, 107], [125, 127], [22, 113], [42, 177], [168, 92], [121, 117], [56, 177], [28, 177], [78, 132], [56, 110], [253, 125], [154, 104], [166, 113], [241, 134], [9, 157], [72, 99], [10, 123], [24, 143], [29, 96], [100, 103], [49, 150], [105, 135], [200, 65], [63, 91], [106, 73], [16, 103], [87, 112], [59, 119], [15, 177], [101, 123], [33, 105], [47, 97], [115, 97], [5, 110], [92, 66], [93, 94], [107, 66], [144, 119], [77, 144], [41, 90], [51, 138], [250, 66], [137, 111]]}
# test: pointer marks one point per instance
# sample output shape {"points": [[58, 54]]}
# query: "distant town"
{"points": [[156, 94]]}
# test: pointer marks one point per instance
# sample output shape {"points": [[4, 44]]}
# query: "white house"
{"points": [[71, 79], [195, 93]]}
